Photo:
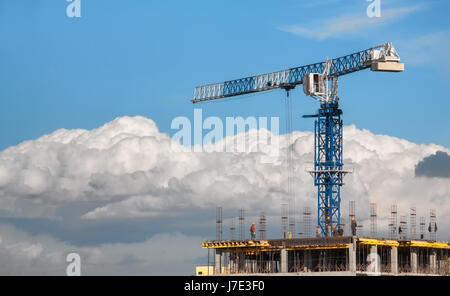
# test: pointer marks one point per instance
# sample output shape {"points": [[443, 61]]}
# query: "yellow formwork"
{"points": [[426, 244], [377, 242], [235, 244], [316, 247], [265, 245]]}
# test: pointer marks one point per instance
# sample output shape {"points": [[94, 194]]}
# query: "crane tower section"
{"points": [[328, 170]]}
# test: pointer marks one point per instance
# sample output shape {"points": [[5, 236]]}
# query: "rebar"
{"points": [[262, 226], [373, 219], [233, 229], [432, 228], [393, 222], [422, 227], [412, 222], [403, 229], [307, 221], [351, 215], [284, 219], [219, 223], [241, 224]]}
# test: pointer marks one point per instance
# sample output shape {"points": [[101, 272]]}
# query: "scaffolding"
{"points": [[412, 222], [284, 219], [393, 222], [360, 230], [219, 223], [241, 224], [233, 229], [422, 227], [403, 228], [351, 214], [432, 228], [307, 222], [373, 219], [262, 226]]}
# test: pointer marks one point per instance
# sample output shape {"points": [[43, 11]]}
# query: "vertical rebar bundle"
{"points": [[284, 219], [219, 223], [412, 222], [403, 229], [292, 217], [343, 221], [422, 227], [241, 224], [262, 226], [360, 230], [351, 214], [233, 229], [432, 228], [373, 219], [307, 221], [393, 222]]}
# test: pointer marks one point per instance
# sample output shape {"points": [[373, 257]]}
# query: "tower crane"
{"points": [[320, 81]]}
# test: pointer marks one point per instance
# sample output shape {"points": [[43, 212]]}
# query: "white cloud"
{"points": [[25, 254], [129, 167], [127, 170], [347, 24]]}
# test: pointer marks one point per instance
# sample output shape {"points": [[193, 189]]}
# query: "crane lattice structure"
{"points": [[320, 81]]}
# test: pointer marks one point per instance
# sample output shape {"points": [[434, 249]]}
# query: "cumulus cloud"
{"points": [[129, 168], [436, 165], [126, 169], [25, 254]]}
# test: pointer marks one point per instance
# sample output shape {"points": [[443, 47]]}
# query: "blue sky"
{"points": [[145, 57]]}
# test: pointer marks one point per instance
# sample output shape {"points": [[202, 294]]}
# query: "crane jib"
{"points": [[289, 78]]}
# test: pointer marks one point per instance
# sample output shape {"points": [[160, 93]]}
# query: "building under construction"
{"points": [[346, 255], [405, 252]]}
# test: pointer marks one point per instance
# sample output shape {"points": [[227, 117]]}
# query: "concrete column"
{"points": [[373, 249], [414, 260], [218, 262], [228, 265], [284, 261], [394, 260], [433, 261], [232, 263], [307, 259], [374, 256], [241, 263], [352, 256]]}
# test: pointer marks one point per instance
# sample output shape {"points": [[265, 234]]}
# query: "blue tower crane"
{"points": [[320, 81], [328, 170]]}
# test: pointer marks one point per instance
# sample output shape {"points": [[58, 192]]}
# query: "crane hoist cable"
{"points": [[289, 163]]}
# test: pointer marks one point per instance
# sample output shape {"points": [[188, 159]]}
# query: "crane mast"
{"points": [[328, 170], [320, 81]]}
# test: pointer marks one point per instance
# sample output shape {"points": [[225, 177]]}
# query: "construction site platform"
{"points": [[320, 243], [344, 255]]}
